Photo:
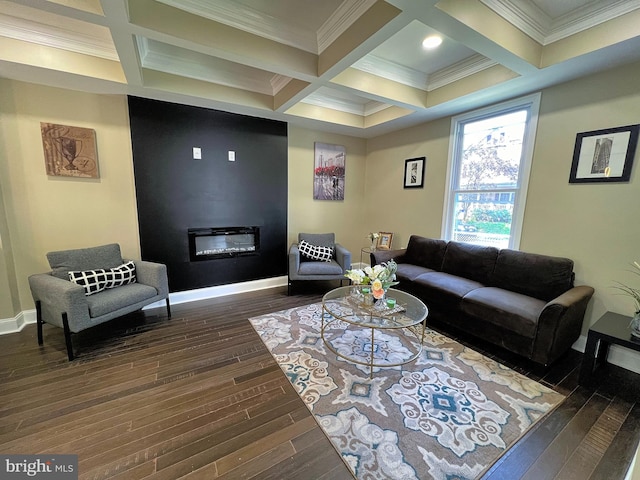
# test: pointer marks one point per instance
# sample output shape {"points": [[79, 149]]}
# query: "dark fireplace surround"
{"points": [[197, 215]]}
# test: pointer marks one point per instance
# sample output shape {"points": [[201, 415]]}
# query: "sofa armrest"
{"points": [[152, 274], [343, 257], [381, 256], [57, 296], [560, 324]]}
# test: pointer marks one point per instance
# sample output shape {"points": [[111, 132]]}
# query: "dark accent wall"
{"points": [[175, 192]]}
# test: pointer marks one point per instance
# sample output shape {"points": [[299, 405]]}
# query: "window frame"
{"points": [[530, 103]]}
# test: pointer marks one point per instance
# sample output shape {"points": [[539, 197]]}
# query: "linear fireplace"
{"points": [[223, 242]]}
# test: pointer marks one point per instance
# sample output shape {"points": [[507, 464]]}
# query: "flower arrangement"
{"points": [[380, 277], [373, 236], [630, 291]]}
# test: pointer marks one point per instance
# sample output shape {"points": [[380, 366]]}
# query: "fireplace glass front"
{"points": [[225, 242]]}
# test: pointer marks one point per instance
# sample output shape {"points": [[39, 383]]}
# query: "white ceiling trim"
{"points": [[392, 71], [531, 20], [278, 82], [52, 36], [589, 16], [210, 70], [459, 70], [416, 79], [249, 20], [343, 105], [344, 16]]}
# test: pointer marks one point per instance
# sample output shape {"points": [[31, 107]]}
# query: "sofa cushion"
{"points": [[93, 281], [315, 252], [320, 268], [444, 288], [425, 252], [474, 262], [510, 310], [64, 261], [408, 273], [113, 299], [540, 276]]}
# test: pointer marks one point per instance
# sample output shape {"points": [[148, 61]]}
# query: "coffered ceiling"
{"points": [[351, 66]]}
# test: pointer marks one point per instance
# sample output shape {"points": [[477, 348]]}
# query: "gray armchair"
{"points": [[105, 286], [304, 268]]}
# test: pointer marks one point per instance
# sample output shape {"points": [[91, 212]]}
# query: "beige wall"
{"points": [[46, 213], [344, 218], [596, 225]]}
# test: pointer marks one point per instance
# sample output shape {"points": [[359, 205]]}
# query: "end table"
{"points": [[610, 329], [368, 251]]}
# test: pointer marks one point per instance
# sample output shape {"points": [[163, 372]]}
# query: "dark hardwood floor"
{"points": [[199, 396]]}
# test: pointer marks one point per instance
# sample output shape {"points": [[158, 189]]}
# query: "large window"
{"points": [[489, 162]]}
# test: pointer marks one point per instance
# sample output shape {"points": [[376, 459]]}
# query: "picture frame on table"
{"points": [[414, 172], [604, 155], [384, 241]]}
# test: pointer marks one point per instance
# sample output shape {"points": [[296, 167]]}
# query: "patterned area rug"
{"points": [[451, 413]]}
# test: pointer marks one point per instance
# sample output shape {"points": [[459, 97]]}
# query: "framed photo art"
{"points": [[414, 172], [604, 155], [384, 241]]}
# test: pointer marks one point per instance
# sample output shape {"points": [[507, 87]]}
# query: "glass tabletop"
{"points": [[349, 304]]}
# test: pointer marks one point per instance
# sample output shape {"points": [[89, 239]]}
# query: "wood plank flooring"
{"points": [[199, 397]]}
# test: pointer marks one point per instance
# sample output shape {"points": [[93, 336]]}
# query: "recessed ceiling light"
{"points": [[432, 41]]}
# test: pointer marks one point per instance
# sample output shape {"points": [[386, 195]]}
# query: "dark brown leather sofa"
{"points": [[523, 302]]}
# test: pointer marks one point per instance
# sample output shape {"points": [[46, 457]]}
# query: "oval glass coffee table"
{"points": [[369, 333]]}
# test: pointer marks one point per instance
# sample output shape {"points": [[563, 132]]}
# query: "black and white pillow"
{"points": [[121, 275], [93, 281], [315, 252]]}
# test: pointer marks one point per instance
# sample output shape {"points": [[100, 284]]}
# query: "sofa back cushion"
{"points": [[474, 262], [425, 252], [65, 261], [318, 239], [539, 276]]}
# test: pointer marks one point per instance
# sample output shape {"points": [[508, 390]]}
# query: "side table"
{"points": [[367, 251], [610, 329]]}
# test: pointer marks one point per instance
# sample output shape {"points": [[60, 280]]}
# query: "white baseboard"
{"points": [[17, 323], [220, 291]]}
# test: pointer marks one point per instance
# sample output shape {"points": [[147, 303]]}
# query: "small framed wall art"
{"points": [[414, 172], [384, 241], [604, 155], [69, 151]]}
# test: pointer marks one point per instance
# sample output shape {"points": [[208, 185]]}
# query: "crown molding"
{"points": [[341, 19], [525, 16], [278, 82], [532, 21], [416, 79], [344, 105], [56, 37], [220, 72], [250, 20], [589, 16], [392, 71], [459, 70]]}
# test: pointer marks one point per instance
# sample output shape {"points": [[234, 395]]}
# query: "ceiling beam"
{"points": [[117, 17]]}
